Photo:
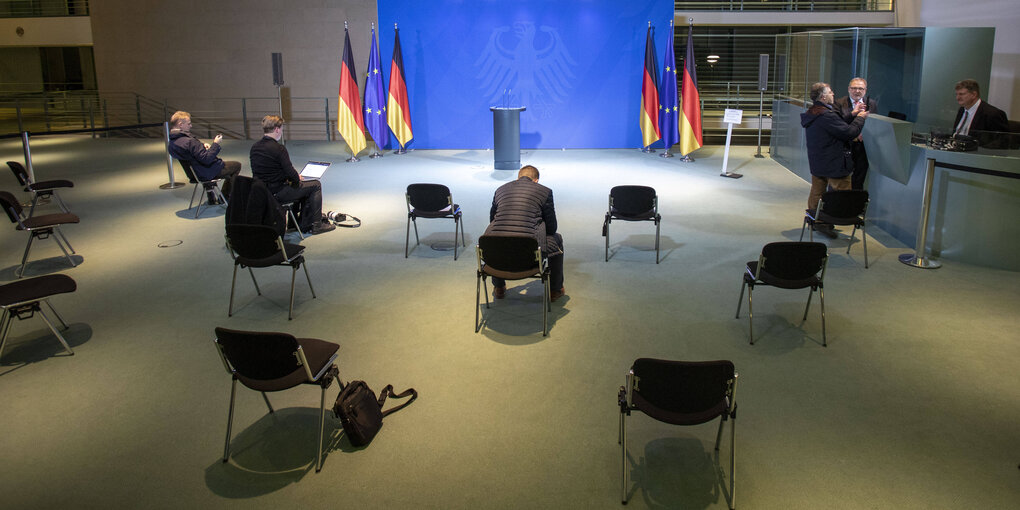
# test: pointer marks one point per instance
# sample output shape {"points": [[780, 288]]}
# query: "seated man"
{"points": [[271, 164], [203, 157], [979, 119], [526, 207]]}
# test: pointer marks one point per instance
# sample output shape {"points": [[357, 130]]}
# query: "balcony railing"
{"points": [[43, 8], [787, 5]]}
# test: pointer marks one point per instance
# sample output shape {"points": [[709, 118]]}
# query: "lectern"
{"points": [[506, 133]]}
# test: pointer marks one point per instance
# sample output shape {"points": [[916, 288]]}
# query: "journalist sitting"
{"points": [[203, 157], [271, 164]]}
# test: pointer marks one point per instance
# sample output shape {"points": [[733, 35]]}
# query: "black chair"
{"points": [[633, 203], [681, 393], [268, 362], [844, 207], [262, 246], [511, 257], [431, 201], [41, 189], [23, 298], [786, 265], [42, 226], [210, 187]]}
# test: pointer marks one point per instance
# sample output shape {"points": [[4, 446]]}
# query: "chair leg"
{"points": [[478, 301], [322, 426], [750, 314], [63, 206], [545, 307], [293, 275], [309, 278], [293, 218], [233, 282], [266, 399], [230, 420], [5, 325], [623, 458], [456, 222], [462, 241], [407, 235], [802, 226], [806, 307], [62, 236], [66, 255], [607, 240], [59, 318], [733, 462], [55, 332], [657, 241], [24, 258], [864, 240], [257, 289], [821, 298], [192, 202], [740, 299]]}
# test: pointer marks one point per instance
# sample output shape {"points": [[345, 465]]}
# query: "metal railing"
{"points": [[43, 8], [788, 5]]}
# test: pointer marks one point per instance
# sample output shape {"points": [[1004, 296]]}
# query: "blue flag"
{"points": [[669, 115], [375, 98]]}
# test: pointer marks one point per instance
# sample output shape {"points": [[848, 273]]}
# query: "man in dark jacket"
{"points": [[827, 137], [203, 157], [847, 107], [977, 118], [270, 163], [526, 207]]}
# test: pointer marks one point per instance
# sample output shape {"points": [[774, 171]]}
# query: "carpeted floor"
{"points": [[913, 404]]}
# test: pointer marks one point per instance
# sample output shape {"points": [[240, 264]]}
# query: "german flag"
{"points": [[690, 103], [649, 95], [350, 121], [398, 111]]}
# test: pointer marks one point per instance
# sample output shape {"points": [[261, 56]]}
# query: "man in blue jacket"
{"points": [[203, 157], [828, 137]]}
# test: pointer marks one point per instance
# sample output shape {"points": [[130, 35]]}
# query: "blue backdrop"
{"points": [[574, 64]]}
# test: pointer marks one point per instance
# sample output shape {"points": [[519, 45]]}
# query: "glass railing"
{"points": [[787, 5], [43, 8]]}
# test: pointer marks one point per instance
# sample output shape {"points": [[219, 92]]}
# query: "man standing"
{"points": [[848, 106], [976, 116], [827, 137], [203, 157], [271, 164], [526, 207]]}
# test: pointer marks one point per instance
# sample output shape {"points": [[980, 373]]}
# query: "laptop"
{"points": [[315, 169]]}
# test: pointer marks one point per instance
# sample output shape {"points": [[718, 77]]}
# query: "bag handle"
{"points": [[388, 392]]}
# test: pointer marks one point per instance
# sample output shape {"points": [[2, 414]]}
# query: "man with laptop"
{"points": [[271, 164]]}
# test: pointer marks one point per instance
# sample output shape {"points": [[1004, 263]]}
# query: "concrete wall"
{"points": [[196, 49], [1003, 89]]}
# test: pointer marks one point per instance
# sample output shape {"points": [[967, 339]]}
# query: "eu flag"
{"points": [[669, 116], [375, 98]]}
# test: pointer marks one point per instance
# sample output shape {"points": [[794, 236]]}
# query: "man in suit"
{"points": [[977, 118], [848, 107], [526, 207]]}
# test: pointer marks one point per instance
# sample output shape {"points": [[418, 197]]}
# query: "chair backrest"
{"points": [[428, 197], [11, 206], [188, 171], [844, 203], [510, 253], [791, 260], [633, 200], [19, 172], [251, 203], [257, 355], [684, 387], [253, 241]]}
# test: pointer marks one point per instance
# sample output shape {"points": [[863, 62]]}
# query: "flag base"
{"points": [[648, 150], [665, 154], [400, 151], [375, 155], [352, 159], [686, 158], [731, 175]]}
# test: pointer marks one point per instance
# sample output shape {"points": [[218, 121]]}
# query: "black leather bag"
{"points": [[360, 412]]}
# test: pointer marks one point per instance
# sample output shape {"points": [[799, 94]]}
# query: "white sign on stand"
{"points": [[730, 117]]}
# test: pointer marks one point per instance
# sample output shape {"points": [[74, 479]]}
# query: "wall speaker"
{"points": [[278, 69], [763, 71]]}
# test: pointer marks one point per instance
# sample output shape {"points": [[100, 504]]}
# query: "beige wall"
{"points": [[1004, 15], [196, 49]]}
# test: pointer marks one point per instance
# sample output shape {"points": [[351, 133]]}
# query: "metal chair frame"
{"points": [[37, 226], [25, 310], [39, 190], [212, 185], [413, 214], [859, 220], [613, 213], [541, 272], [287, 261]]}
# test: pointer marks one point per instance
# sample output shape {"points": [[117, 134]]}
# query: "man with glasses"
{"points": [[203, 157], [848, 107]]}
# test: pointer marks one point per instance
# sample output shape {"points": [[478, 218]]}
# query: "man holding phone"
{"points": [[203, 157], [848, 108]]}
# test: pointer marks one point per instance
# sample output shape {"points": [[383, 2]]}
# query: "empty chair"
{"points": [[42, 226], [210, 187], [40, 189], [22, 299], [633, 203], [267, 362], [431, 201], [786, 265], [262, 246], [844, 207], [681, 393], [510, 257]]}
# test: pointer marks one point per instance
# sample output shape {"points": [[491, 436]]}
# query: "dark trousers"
{"points": [[555, 274], [860, 159], [309, 196], [230, 169]]}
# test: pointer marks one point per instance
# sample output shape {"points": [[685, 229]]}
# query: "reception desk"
{"points": [[975, 205]]}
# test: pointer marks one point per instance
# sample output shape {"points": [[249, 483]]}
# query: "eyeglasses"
{"points": [[858, 88]]}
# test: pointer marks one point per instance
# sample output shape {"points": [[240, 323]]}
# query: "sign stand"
{"points": [[731, 117]]}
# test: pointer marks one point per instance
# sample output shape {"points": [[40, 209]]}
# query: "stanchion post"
{"points": [[169, 160], [28, 155], [917, 259]]}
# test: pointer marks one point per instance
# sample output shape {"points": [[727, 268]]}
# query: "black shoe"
{"points": [[826, 230], [322, 228]]}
